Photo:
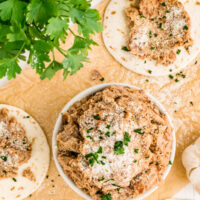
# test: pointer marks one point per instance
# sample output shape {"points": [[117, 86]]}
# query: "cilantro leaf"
{"points": [[139, 131], [50, 71], [16, 34], [9, 67], [73, 62], [106, 197], [87, 21], [39, 55], [38, 27], [40, 11], [12, 10], [118, 148], [127, 138], [57, 28]]}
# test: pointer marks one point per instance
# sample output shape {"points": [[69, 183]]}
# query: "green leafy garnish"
{"points": [[93, 157], [101, 179], [88, 130], [102, 79], [106, 197], [100, 150], [108, 134], [127, 138], [4, 158], [38, 27], [97, 117], [14, 179], [125, 48], [178, 51], [163, 4], [139, 131], [118, 148], [136, 150]]}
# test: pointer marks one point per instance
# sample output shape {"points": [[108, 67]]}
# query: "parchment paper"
{"points": [[45, 99]]}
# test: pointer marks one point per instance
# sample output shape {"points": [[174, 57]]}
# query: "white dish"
{"points": [[58, 126]]}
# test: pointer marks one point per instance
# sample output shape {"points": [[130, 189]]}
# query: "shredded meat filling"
{"points": [[157, 27], [15, 148]]}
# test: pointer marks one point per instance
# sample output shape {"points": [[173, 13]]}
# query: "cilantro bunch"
{"points": [[38, 26]]}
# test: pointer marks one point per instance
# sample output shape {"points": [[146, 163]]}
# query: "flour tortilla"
{"points": [[116, 33], [38, 163]]}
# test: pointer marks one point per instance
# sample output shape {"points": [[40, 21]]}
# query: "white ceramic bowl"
{"points": [[58, 127]]}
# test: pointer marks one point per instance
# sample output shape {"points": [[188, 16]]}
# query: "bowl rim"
{"points": [[88, 92]]}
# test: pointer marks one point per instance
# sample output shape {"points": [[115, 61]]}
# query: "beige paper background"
{"points": [[45, 99]]}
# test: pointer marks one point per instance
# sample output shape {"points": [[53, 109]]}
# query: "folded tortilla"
{"points": [[116, 36], [38, 163]]}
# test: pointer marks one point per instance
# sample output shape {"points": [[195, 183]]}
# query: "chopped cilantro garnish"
{"points": [[178, 51], [93, 157], [4, 158], [108, 134], [185, 28], [147, 80], [26, 117], [150, 34], [176, 80], [106, 197], [139, 130], [160, 25], [101, 138], [135, 161], [125, 48], [191, 103], [91, 162], [163, 4], [4, 171], [102, 79], [142, 16], [104, 157], [149, 71], [101, 179], [152, 19], [97, 117], [136, 150], [195, 62], [170, 162], [153, 48], [167, 11], [89, 137], [118, 148], [127, 138], [14, 179], [103, 163], [100, 150], [147, 157], [171, 77], [89, 129], [108, 126], [155, 34]]}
